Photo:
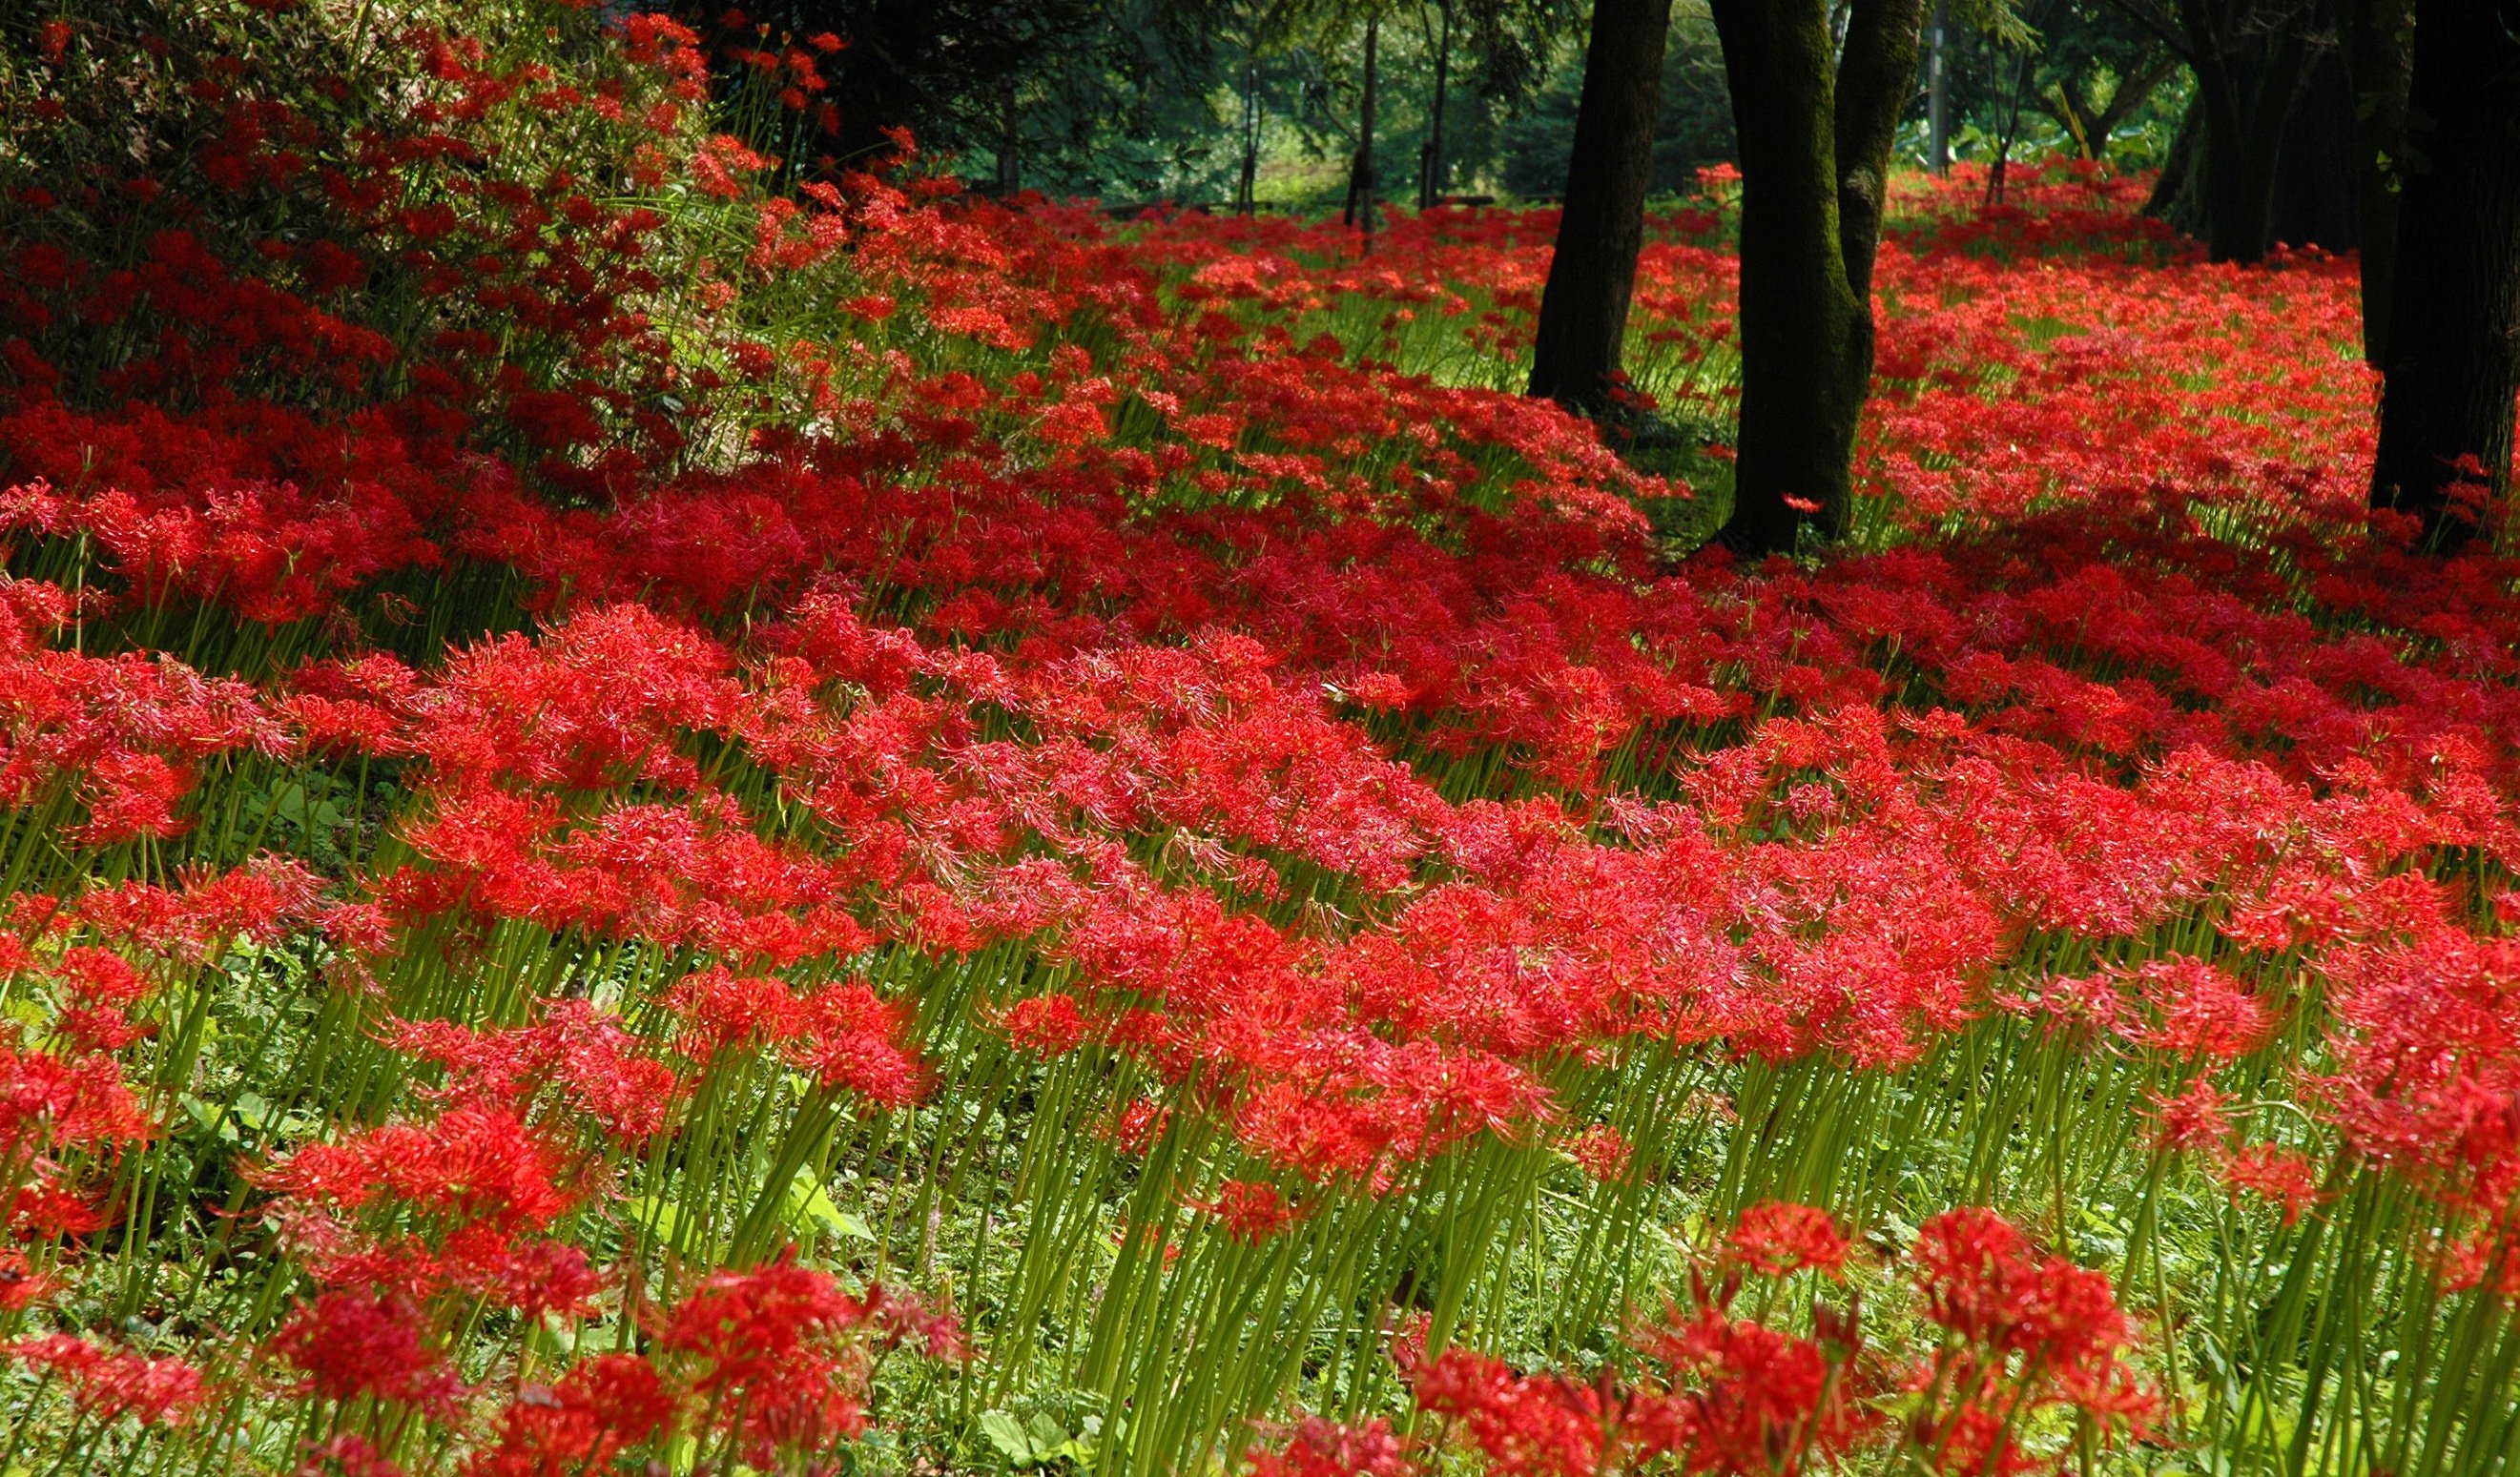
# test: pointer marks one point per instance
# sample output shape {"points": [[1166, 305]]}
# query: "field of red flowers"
{"points": [[660, 820]]}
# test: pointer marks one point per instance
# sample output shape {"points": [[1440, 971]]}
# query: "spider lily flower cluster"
{"points": [[667, 805]]}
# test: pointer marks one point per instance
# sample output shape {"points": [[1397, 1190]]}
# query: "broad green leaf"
{"points": [[1007, 1435], [810, 1204]]}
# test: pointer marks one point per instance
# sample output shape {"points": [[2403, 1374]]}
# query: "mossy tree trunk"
{"points": [[1584, 307], [1815, 142], [2452, 368]]}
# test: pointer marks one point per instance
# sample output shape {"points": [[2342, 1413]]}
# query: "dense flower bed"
{"points": [[654, 821]]}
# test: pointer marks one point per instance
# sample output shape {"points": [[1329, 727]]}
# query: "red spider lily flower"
{"points": [[100, 977], [1969, 1262], [1312, 735], [1748, 1398], [1776, 1239], [1138, 1124], [1543, 1425], [780, 1358], [723, 1011], [112, 1382], [850, 1038], [21, 1286], [2196, 1118], [910, 1319], [479, 1163], [50, 1101], [583, 1058], [1315, 1447], [257, 903], [1047, 1025], [1250, 1211], [1601, 1152], [750, 1324], [2029, 1332], [537, 1278], [345, 1455], [46, 1203], [719, 160], [2204, 1013], [352, 1344], [1982, 1282], [600, 1408], [2288, 1178], [104, 1029]]}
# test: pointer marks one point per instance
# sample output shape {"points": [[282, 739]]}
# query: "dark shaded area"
{"points": [[2312, 198], [1037, 89], [2452, 363]]}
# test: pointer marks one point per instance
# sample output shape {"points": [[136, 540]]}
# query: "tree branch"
{"points": [[2150, 17]]}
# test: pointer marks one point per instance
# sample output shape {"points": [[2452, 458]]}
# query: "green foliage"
{"points": [[2053, 78], [1697, 127]]}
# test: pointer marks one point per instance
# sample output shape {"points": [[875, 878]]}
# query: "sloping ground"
{"points": [[603, 763]]}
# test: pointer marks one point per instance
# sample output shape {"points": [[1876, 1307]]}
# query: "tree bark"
{"points": [[1430, 162], [2220, 113], [1360, 178], [2315, 186], [1010, 145], [1584, 307], [1995, 173], [2314, 168], [1938, 93], [1876, 72], [2379, 52], [1246, 183], [2248, 80], [2454, 299], [1815, 143], [2092, 130], [2178, 192], [2246, 226]]}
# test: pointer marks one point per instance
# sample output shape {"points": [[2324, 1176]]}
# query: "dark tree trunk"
{"points": [[2380, 50], [2222, 114], [1360, 177], [2245, 228], [1938, 92], [1010, 146], [1430, 162], [2249, 77], [1815, 143], [2454, 301], [2315, 183], [1996, 172], [1583, 308], [2178, 191], [2266, 151], [1246, 183]]}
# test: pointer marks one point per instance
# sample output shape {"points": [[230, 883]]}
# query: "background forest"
{"points": [[1149, 101]]}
